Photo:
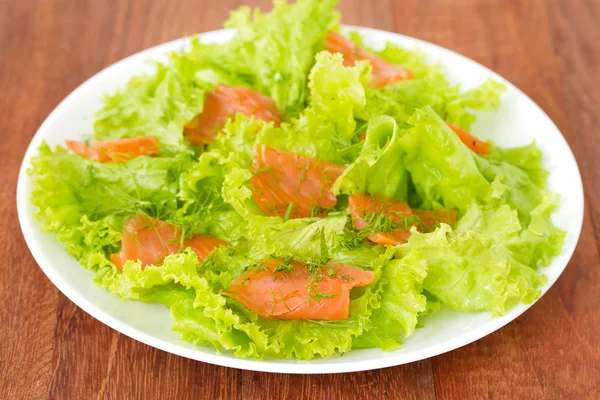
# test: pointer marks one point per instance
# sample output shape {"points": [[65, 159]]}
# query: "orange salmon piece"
{"points": [[150, 240], [477, 146], [391, 238], [294, 294], [225, 101], [119, 150], [361, 205], [383, 72], [431, 219], [281, 178]]}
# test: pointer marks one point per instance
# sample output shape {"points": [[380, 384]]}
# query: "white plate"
{"points": [[518, 122]]}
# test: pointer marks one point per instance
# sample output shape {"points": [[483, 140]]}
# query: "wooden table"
{"points": [[49, 348]]}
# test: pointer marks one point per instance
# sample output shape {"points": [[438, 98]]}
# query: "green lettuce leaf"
{"points": [[274, 52], [432, 89], [528, 158], [442, 168], [157, 104], [541, 240], [337, 91], [271, 53], [66, 181], [200, 314], [519, 191], [400, 305], [403, 98], [379, 168], [486, 97], [234, 145], [326, 129], [482, 265]]}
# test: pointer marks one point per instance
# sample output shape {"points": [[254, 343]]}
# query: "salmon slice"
{"points": [[391, 238], [119, 150], [223, 102], [383, 72], [365, 211], [431, 219], [150, 240], [365, 208], [476, 145], [284, 181], [295, 293]]}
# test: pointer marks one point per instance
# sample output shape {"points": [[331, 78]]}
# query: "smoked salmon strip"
{"points": [[225, 101], [361, 205], [119, 150], [383, 72], [150, 240], [476, 145], [365, 209], [431, 219], [295, 293], [288, 183]]}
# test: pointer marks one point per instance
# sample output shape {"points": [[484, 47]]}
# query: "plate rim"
{"points": [[297, 367]]}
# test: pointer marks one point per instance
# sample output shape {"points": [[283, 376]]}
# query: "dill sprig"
{"points": [[288, 213]]}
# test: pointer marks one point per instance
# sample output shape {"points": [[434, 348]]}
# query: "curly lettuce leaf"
{"points": [[200, 314], [528, 158], [337, 91], [403, 98], [485, 97], [234, 145], [326, 129], [67, 186], [400, 305], [156, 104], [273, 52], [519, 191], [485, 263], [204, 317], [379, 167], [431, 88], [442, 168], [541, 240]]}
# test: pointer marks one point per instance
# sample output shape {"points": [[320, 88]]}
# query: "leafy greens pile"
{"points": [[487, 261]]}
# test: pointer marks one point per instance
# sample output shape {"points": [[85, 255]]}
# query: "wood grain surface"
{"points": [[49, 348]]}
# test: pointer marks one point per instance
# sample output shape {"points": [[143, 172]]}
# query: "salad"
{"points": [[294, 193]]}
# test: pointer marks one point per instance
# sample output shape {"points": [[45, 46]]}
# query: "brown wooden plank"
{"points": [[412, 381], [27, 316]]}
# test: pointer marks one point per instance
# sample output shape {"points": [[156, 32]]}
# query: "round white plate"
{"points": [[518, 122]]}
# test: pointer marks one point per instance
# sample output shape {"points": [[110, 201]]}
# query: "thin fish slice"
{"points": [[150, 240], [282, 178], [226, 101], [295, 294]]}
